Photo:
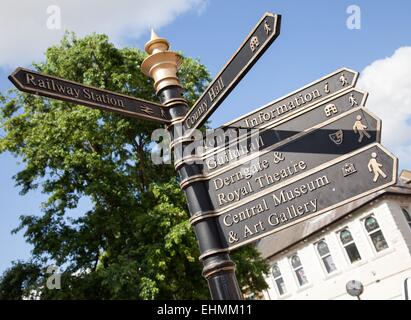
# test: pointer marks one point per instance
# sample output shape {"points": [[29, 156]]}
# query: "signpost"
{"points": [[314, 92], [255, 44], [324, 188], [315, 149], [65, 90], [288, 159], [244, 145]]}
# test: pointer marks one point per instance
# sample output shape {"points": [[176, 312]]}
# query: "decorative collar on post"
{"points": [[161, 64]]}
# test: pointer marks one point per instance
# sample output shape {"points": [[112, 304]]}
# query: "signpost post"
{"points": [[315, 149], [161, 65]]}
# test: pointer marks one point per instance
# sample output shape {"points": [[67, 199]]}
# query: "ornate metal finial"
{"points": [[161, 64], [156, 44]]}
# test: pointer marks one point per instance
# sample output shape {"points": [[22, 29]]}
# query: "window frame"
{"points": [[369, 233], [294, 270], [405, 214], [343, 246], [275, 278], [315, 244]]}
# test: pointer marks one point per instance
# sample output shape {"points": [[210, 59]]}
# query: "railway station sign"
{"points": [[70, 91]]}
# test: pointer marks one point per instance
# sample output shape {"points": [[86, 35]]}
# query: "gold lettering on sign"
{"points": [[278, 111], [247, 213], [292, 212], [102, 98], [202, 108], [216, 89], [288, 195], [233, 154], [235, 195], [256, 228], [68, 90], [283, 174]]}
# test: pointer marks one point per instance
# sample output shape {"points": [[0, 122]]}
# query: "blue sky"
{"points": [[314, 41]]}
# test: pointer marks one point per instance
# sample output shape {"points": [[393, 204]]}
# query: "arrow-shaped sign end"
{"points": [[13, 79]]}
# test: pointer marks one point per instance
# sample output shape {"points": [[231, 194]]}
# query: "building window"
{"points": [[349, 245], [407, 215], [278, 280], [298, 270], [375, 233], [325, 256]]}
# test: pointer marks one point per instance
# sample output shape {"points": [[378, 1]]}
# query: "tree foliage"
{"points": [[135, 242]]}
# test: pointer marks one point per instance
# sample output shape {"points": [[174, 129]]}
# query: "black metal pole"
{"points": [[218, 268]]}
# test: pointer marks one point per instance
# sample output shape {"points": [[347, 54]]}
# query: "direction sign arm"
{"points": [[260, 38], [65, 90]]}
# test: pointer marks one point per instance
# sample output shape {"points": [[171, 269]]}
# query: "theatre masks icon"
{"points": [[337, 137]]}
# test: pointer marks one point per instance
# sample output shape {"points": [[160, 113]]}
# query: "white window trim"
{"points": [[305, 285], [275, 283], [345, 254], [368, 235], [321, 258]]}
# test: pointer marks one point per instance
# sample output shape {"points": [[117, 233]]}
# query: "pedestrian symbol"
{"points": [[374, 166], [359, 128], [352, 100]]}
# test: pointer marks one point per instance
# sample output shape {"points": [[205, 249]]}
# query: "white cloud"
{"points": [[25, 36], [388, 82]]}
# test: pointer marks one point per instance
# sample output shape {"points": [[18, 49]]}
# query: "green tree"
{"points": [[135, 242]]}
